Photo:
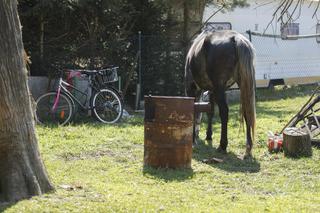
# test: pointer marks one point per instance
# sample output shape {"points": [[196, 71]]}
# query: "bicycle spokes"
{"points": [[50, 110], [107, 106]]}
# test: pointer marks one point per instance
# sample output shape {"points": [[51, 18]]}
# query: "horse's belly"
{"points": [[203, 81]]}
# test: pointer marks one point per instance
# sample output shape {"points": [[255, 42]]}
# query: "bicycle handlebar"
{"points": [[93, 72]]}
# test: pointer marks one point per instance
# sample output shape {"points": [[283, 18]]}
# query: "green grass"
{"points": [[103, 164]]}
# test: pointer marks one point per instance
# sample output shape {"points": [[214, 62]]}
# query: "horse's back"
{"points": [[196, 64], [221, 58], [212, 60]]}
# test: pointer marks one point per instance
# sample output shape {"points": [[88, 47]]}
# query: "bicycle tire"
{"points": [[63, 113], [107, 106]]}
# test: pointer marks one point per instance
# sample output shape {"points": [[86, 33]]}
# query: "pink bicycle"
{"points": [[58, 107]]}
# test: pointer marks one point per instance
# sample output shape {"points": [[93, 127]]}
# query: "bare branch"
{"points": [[204, 23], [294, 10], [221, 8], [264, 4], [315, 12], [285, 6]]}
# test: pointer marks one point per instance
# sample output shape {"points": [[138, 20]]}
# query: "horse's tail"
{"points": [[187, 76], [246, 81]]}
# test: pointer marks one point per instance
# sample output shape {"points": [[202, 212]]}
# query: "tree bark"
{"points": [[22, 173], [296, 143], [186, 25]]}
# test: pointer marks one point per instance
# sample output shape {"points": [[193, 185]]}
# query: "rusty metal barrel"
{"points": [[168, 131]]}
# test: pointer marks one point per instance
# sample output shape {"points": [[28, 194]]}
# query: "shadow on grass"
{"points": [[134, 119], [6, 205], [316, 143], [168, 174], [231, 162]]}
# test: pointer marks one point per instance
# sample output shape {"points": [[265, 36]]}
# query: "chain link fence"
{"points": [[156, 63], [162, 66]]}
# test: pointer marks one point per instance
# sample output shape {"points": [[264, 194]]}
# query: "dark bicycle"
{"points": [[58, 107]]}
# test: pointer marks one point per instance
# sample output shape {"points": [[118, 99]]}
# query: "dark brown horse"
{"points": [[215, 62]]}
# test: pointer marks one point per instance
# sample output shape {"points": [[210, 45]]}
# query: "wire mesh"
{"points": [[287, 59]]}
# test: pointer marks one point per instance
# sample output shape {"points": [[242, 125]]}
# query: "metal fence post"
{"points": [[250, 35], [138, 89], [140, 45]]}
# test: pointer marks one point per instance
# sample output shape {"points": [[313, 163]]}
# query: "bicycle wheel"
{"points": [[45, 114], [107, 106]]}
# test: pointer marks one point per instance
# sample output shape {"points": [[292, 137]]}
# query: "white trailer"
{"points": [[278, 61]]}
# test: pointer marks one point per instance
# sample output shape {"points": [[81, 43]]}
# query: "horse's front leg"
{"points": [[192, 91], [224, 115], [196, 127], [210, 117], [209, 128]]}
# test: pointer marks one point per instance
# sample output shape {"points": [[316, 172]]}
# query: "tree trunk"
{"points": [[41, 37], [186, 25], [22, 173], [296, 143]]}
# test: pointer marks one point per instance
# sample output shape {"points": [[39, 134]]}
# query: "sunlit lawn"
{"points": [[99, 168]]}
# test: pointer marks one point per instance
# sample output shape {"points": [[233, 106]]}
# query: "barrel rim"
{"points": [[170, 97]]}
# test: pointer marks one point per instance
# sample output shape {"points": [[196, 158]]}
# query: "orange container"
{"points": [[275, 143]]}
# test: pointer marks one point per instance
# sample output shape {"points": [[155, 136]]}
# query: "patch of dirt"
{"points": [[67, 156], [96, 154]]}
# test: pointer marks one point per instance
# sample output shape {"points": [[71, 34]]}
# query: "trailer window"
{"points": [[289, 29]]}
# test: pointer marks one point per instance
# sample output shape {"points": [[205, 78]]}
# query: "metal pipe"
{"points": [[140, 73]]}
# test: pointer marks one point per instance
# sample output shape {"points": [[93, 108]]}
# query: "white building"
{"points": [[289, 61]]}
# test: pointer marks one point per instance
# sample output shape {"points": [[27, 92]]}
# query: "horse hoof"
{"points": [[221, 150], [195, 143], [247, 156]]}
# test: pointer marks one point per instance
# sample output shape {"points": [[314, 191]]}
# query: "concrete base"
{"points": [[38, 85]]}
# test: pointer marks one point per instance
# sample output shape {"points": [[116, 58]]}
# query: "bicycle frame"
{"points": [[63, 86]]}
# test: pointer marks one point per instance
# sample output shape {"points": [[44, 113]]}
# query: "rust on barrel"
{"points": [[168, 131]]}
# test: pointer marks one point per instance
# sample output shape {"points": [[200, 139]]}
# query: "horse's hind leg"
{"points": [[192, 91], [197, 121], [198, 117], [210, 116], [224, 115]]}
